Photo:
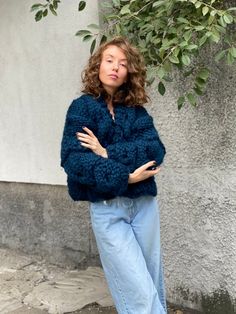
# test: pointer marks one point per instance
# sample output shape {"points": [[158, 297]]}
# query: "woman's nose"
{"points": [[115, 67]]}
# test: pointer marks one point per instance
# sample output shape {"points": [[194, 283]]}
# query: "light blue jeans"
{"points": [[127, 232]]}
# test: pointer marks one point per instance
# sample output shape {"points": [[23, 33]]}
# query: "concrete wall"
{"points": [[41, 219], [198, 189], [40, 69], [40, 65]]}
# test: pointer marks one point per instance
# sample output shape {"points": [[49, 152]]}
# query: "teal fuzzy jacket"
{"points": [[131, 141]]}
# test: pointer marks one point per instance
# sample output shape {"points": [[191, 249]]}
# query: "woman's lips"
{"points": [[113, 76]]}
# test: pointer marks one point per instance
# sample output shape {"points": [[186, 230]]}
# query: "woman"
{"points": [[111, 152]]}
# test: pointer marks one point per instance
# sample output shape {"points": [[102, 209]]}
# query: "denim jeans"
{"points": [[127, 233]]}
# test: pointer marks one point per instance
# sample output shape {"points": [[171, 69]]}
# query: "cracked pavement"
{"points": [[29, 285]]}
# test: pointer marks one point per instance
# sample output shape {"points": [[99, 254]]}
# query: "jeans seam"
{"points": [[120, 290], [162, 288]]}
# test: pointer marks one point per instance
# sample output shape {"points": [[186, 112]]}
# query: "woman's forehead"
{"points": [[115, 51]]}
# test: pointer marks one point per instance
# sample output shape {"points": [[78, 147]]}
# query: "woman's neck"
{"points": [[111, 107]]}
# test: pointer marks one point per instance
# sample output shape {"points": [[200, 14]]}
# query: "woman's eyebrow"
{"points": [[109, 55]]}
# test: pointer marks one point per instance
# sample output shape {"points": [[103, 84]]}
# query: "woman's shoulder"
{"points": [[83, 104], [85, 99], [143, 118], [141, 112]]}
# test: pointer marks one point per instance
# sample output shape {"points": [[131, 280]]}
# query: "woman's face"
{"points": [[113, 69]]}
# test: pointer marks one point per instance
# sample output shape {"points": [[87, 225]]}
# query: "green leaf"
{"points": [[180, 102], [219, 56], [45, 12], [92, 47], [191, 99], [87, 37], [198, 91], [38, 15], [198, 4], [55, 4], [199, 28], [183, 44], [82, 5], [211, 19], [116, 3], [222, 22], [229, 58], [213, 12], [228, 18], [52, 9], [192, 47], [182, 20], [161, 88], [188, 35], [215, 36], [200, 82], [185, 59], [205, 10], [167, 66], [35, 6], [125, 10], [158, 3], [161, 72], [203, 74], [232, 50], [174, 59], [95, 26], [118, 29], [82, 32], [202, 40], [187, 73], [103, 39]]}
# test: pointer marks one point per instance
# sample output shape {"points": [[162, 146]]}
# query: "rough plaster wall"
{"points": [[43, 220], [197, 188], [40, 70]]}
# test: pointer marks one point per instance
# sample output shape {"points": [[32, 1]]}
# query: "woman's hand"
{"points": [[90, 141], [142, 173]]}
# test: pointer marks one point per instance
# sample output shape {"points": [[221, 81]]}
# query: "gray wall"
{"points": [[41, 219], [197, 184], [197, 188], [40, 69]]}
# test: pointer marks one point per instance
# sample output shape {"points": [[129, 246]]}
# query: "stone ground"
{"points": [[29, 285]]}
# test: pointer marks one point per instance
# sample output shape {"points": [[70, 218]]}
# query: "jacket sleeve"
{"points": [[81, 164], [142, 146]]}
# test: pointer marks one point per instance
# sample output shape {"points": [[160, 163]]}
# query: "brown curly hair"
{"points": [[132, 92]]}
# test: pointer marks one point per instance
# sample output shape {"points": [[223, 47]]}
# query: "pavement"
{"points": [[30, 285]]}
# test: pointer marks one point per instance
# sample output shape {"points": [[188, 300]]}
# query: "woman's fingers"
{"points": [[85, 139], [88, 131], [147, 165], [82, 135], [90, 141], [90, 146], [143, 173]]}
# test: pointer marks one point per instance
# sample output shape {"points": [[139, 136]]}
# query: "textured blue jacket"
{"points": [[131, 141]]}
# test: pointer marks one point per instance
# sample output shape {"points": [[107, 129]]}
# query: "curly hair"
{"points": [[132, 92]]}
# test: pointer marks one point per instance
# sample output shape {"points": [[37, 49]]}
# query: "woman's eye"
{"points": [[109, 60], [123, 65]]}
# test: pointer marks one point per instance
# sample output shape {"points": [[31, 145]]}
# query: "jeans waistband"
{"points": [[119, 201]]}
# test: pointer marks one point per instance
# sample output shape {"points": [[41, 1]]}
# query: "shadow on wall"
{"points": [[218, 303]]}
